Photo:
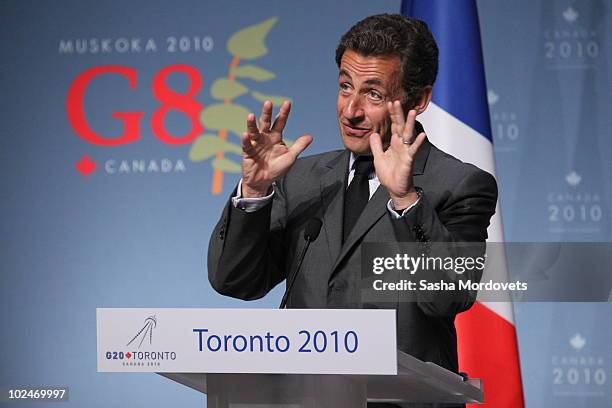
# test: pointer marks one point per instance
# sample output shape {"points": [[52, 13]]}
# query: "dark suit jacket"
{"points": [[250, 253]]}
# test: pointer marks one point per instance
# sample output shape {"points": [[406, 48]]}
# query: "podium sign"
{"points": [[300, 341]]}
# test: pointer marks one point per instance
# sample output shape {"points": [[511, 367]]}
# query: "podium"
{"points": [[314, 366], [415, 382]]}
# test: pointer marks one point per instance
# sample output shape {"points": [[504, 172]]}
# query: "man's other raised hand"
{"points": [[265, 156]]}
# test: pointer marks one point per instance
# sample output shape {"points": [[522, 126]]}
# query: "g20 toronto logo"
{"points": [[214, 130], [135, 357], [146, 332]]}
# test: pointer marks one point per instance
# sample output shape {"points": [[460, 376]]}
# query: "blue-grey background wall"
{"points": [[123, 236]]}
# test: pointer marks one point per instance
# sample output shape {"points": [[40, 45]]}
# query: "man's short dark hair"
{"points": [[396, 35]]}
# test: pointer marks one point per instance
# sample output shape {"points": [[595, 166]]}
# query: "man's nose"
{"points": [[354, 109]]}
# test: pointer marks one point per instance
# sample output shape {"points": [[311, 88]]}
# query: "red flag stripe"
{"points": [[488, 350]]}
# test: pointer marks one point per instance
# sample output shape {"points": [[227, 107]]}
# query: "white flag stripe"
{"points": [[455, 137], [503, 309]]}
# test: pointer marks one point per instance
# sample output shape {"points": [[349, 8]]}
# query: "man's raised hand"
{"points": [[266, 157], [394, 165]]}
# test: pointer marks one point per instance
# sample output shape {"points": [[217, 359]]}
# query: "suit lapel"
{"points": [[373, 211], [332, 186], [420, 160]]}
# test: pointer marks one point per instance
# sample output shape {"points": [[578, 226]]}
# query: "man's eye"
{"points": [[375, 95], [345, 87]]}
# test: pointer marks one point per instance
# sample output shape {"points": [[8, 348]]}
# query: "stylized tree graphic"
{"points": [[227, 116]]}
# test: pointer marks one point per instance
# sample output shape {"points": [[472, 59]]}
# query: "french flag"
{"points": [[457, 121]]}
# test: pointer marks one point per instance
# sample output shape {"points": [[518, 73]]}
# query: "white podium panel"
{"points": [[258, 358], [300, 341]]}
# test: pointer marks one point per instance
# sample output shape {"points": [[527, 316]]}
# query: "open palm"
{"points": [[394, 165], [266, 157]]}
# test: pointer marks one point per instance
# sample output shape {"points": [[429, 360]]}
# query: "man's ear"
{"points": [[423, 101]]}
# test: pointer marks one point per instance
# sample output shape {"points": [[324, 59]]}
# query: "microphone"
{"points": [[311, 232]]}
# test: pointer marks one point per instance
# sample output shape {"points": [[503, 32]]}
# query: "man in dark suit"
{"points": [[389, 184]]}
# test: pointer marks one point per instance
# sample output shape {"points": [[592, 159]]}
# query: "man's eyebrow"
{"points": [[373, 81], [343, 72]]}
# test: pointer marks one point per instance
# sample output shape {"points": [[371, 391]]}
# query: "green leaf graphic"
{"points": [[227, 89], [249, 43], [225, 116], [226, 165], [252, 72], [206, 146], [277, 100]]}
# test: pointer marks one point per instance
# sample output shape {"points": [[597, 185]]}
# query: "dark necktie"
{"points": [[357, 194]]}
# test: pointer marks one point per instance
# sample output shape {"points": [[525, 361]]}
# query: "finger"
{"points": [[300, 144], [245, 140], [408, 132], [281, 119], [418, 142], [397, 116], [265, 120], [397, 143], [252, 126], [376, 145]]}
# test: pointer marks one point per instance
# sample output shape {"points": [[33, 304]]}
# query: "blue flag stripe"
{"points": [[460, 88]]}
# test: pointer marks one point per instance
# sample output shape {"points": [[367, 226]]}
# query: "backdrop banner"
{"points": [[119, 148]]}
